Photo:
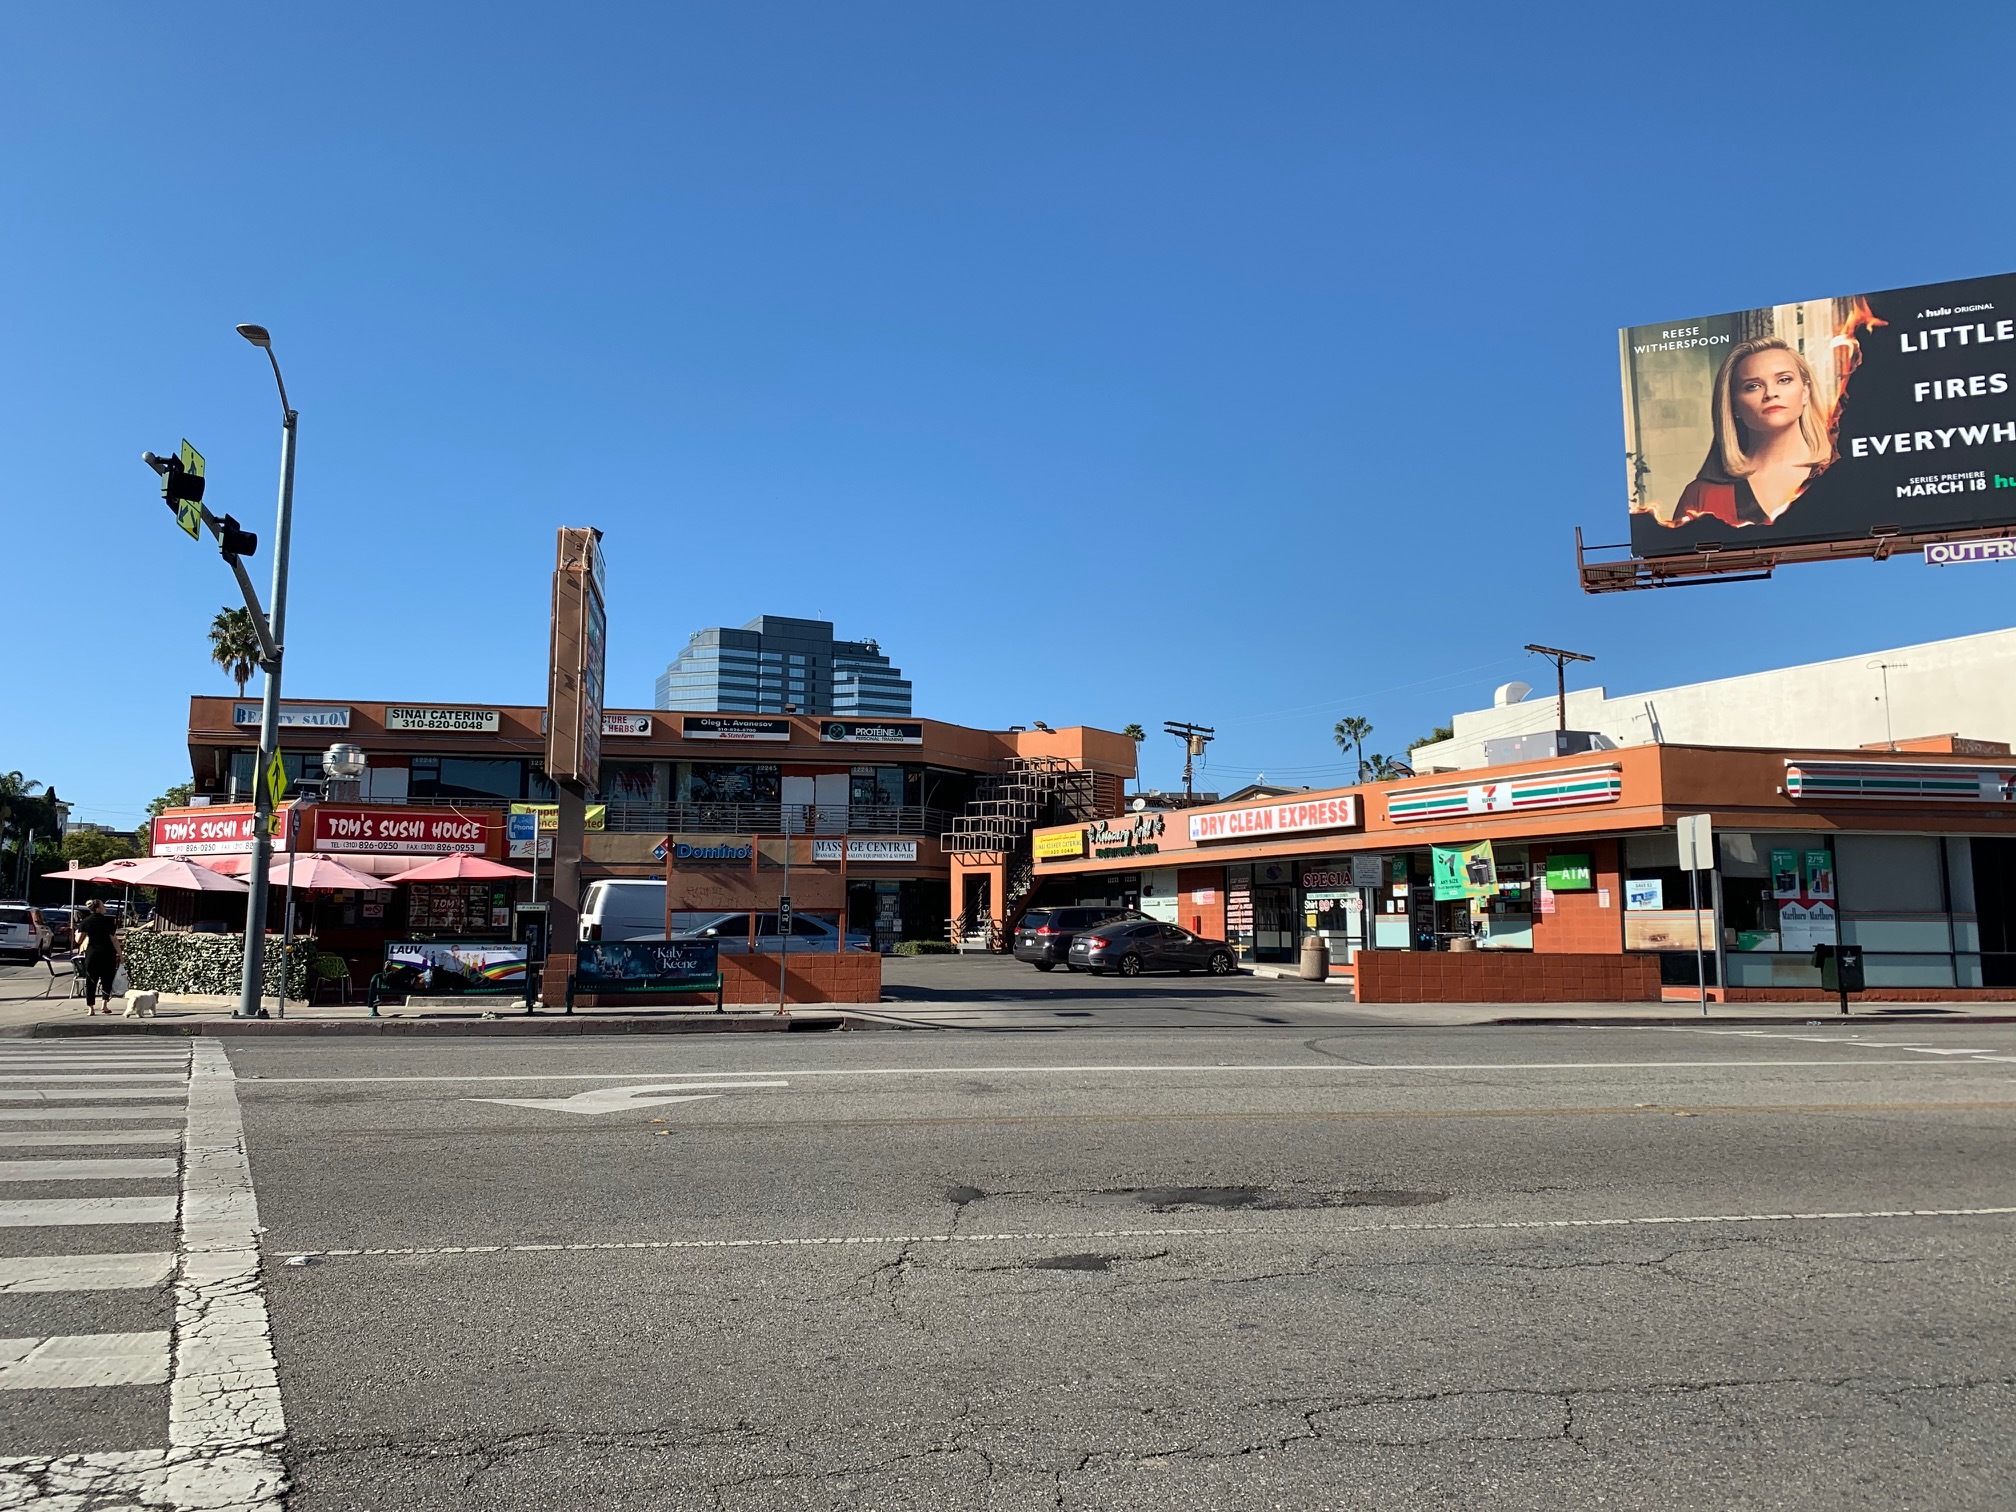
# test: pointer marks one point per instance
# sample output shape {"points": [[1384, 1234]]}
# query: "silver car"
{"points": [[808, 933], [18, 934]]}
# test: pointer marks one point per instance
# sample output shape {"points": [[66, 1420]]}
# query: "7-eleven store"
{"points": [[1910, 855]]}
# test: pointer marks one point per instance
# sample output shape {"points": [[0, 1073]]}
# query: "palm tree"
{"points": [[1135, 733], [234, 645], [1380, 768], [1351, 732]]}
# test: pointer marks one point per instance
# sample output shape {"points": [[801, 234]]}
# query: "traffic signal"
{"points": [[235, 542]]}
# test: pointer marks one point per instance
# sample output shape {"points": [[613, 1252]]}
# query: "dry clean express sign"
{"points": [[1276, 819]]}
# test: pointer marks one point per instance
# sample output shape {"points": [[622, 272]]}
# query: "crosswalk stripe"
{"points": [[62, 1273], [68, 1212], [113, 1359], [87, 1170], [80, 1094], [30, 1062], [158, 1110], [14, 1138], [13, 1079]]}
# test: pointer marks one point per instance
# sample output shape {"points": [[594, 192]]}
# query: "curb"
{"points": [[1642, 1021], [511, 1028]]}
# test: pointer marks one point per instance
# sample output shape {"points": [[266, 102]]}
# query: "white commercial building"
{"points": [[1965, 687]]}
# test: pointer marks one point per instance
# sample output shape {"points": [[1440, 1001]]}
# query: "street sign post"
{"points": [[189, 511], [1697, 854], [276, 778]]}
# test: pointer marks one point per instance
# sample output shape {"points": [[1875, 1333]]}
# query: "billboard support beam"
{"points": [[1720, 563]]}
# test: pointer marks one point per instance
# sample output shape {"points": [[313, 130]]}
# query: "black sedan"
{"points": [[1145, 945]]}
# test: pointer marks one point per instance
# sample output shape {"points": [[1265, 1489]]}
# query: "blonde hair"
{"points": [[1727, 461]]}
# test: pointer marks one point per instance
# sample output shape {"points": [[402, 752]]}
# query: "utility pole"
{"points": [[1560, 659], [1194, 737], [1886, 668]]}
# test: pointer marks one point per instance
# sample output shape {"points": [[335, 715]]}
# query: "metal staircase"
{"points": [[1029, 791]]}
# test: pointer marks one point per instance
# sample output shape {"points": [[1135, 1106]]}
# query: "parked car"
{"points": [[808, 933], [1044, 936], [1131, 948], [18, 934], [56, 920], [627, 908]]}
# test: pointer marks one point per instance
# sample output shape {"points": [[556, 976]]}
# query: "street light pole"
{"points": [[250, 986]]}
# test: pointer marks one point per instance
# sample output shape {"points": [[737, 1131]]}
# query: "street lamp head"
{"points": [[258, 335]]}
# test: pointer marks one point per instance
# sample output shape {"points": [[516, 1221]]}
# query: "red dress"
{"points": [[1731, 503]]}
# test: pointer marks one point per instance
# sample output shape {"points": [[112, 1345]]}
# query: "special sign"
{"points": [[399, 831]]}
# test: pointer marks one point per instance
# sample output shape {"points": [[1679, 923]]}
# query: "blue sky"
{"points": [[1244, 364]]}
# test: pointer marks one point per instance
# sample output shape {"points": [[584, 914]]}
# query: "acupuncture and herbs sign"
{"points": [[1823, 420]]}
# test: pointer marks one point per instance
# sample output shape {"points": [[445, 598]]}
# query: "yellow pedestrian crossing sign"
{"points": [[189, 512], [276, 778]]}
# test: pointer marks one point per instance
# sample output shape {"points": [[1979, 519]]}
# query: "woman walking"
{"points": [[98, 954]]}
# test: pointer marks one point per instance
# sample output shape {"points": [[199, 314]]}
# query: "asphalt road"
{"points": [[1260, 1268]]}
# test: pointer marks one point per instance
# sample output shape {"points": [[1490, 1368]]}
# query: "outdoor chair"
{"points": [[330, 971]]}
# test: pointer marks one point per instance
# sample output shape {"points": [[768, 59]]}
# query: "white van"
{"points": [[624, 909]]}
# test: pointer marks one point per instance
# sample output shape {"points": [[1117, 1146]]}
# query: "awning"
{"points": [[369, 863]]}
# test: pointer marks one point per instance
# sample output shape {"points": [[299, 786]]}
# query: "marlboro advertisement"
{"points": [[1826, 420]]}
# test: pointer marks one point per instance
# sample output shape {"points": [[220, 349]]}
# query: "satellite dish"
{"points": [[1510, 693]]}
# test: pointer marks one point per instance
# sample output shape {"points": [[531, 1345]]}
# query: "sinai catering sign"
{"points": [[1265, 819]]}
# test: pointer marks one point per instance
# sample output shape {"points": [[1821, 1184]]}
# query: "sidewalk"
{"points": [[28, 1012]]}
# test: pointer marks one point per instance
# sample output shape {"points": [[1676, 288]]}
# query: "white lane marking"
{"points": [[166, 1110], [15, 1079], [84, 1094], [113, 1359], [1327, 1067], [1255, 1231], [224, 1395], [13, 1138], [60, 1273], [87, 1170], [617, 1099], [1856, 1041], [68, 1212], [183, 1478]]}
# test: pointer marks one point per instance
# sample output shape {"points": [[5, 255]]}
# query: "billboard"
{"points": [[1826, 420]]}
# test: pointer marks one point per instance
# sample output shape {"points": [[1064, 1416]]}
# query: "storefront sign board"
{"points": [[594, 816], [1055, 847], [399, 831], [721, 727], [210, 832], [708, 852], [1569, 872], [626, 724], [295, 716], [866, 850], [856, 732], [441, 721], [1139, 837], [1893, 782], [1264, 819], [1530, 793], [1644, 894]]}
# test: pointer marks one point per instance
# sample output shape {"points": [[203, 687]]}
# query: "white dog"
{"points": [[141, 1004]]}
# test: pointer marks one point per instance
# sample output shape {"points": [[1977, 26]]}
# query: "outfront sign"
{"points": [[296, 716], [204, 832], [723, 727], [866, 850], [441, 721], [399, 831], [858, 732], [1263, 820], [1955, 553]]}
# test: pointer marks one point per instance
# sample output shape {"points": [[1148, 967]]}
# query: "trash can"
{"points": [[1315, 958]]}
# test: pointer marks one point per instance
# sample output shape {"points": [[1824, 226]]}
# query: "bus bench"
{"points": [[614, 968]]}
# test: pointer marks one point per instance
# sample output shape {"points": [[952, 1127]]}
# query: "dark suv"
{"points": [[1044, 936]]}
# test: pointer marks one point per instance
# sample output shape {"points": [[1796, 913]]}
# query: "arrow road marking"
{"points": [[617, 1099]]}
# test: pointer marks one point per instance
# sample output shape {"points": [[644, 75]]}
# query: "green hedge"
{"points": [[922, 947], [159, 961]]}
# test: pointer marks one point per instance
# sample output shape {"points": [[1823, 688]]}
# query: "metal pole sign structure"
{"points": [[1697, 854]]}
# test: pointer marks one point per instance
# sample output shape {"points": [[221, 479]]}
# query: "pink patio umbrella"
{"points": [[462, 867], [160, 871], [312, 872]]}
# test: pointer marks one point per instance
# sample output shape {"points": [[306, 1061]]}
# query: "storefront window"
{"points": [[725, 782], [631, 782], [467, 777], [876, 786]]}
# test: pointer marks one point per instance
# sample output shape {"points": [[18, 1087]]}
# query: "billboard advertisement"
{"points": [[579, 654], [1826, 420]]}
